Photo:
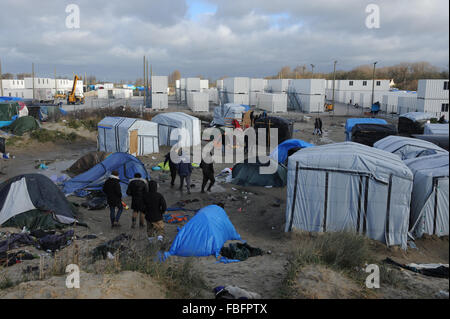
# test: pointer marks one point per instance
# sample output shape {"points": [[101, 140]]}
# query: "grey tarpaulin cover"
{"points": [[436, 129], [167, 122], [407, 147], [349, 187], [224, 114], [429, 201]]}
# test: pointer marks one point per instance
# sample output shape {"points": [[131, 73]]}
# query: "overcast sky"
{"points": [[217, 38]]}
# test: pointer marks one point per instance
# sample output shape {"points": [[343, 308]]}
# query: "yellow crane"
{"points": [[73, 98]]}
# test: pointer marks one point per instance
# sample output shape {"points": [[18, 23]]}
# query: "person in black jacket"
{"points": [[208, 175], [114, 197], [155, 206], [173, 168], [137, 189]]}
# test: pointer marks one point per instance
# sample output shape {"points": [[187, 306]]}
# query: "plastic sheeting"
{"points": [[349, 187], [352, 122], [127, 165], [225, 114], [429, 201], [204, 235], [114, 135], [435, 129], [167, 122], [407, 147], [280, 154]]}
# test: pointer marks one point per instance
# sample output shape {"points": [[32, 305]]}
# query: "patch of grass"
{"points": [[13, 140], [44, 135], [6, 283], [391, 277], [72, 123], [342, 251], [180, 279]]}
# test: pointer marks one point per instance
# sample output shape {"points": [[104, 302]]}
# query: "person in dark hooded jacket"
{"points": [[185, 170], [113, 193], [173, 168], [137, 189], [155, 207]]}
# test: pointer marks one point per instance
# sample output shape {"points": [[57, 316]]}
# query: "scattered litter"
{"points": [[234, 292], [433, 270], [156, 168], [109, 255], [442, 294], [43, 166], [153, 158], [240, 251], [268, 186]]}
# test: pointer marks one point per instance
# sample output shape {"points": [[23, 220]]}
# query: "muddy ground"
{"points": [[257, 213]]}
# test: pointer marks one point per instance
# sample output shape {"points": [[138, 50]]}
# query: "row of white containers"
{"points": [[198, 101], [272, 102]]}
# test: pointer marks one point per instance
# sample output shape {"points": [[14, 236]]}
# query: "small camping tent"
{"points": [[429, 200], [368, 134], [285, 128], [413, 122], [134, 136], [127, 165], [204, 235], [226, 113], [353, 121], [86, 162], [435, 129], [249, 173], [9, 112], [34, 201], [287, 148], [168, 122], [349, 187], [24, 124], [407, 147]]}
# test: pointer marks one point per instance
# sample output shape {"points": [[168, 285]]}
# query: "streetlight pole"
{"points": [[312, 67], [373, 83], [334, 81]]}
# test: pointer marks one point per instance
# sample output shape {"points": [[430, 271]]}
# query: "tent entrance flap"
{"points": [[133, 142]]}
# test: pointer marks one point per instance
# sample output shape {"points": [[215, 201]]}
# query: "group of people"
{"points": [[147, 204], [184, 170]]}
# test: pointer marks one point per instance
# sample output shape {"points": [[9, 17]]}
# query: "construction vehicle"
{"points": [[73, 98], [60, 95], [329, 107]]}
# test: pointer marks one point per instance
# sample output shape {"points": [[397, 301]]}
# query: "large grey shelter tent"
{"points": [[349, 187], [429, 201], [168, 122], [127, 135], [407, 147], [226, 113]]}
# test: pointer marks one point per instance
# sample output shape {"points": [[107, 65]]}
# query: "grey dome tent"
{"points": [[407, 147], [167, 122], [436, 129], [248, 173], [439, 140], [33, 200], [349, 187], [413, 122], [429, 201]]}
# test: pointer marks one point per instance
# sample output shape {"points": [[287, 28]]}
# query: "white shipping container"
{"points": [[407, 104], [256, 85], [237, 85], [435, 107], [253, 101], [183, 84], [160, 101], [204, 85], [272, 102], [311, 103], [177, 84], [307, 86], [238, 98], [102, 93], [159, 84], [279, 85], [433, 89], [213, 95], [193, 84], [219, 84], [198, 101]]}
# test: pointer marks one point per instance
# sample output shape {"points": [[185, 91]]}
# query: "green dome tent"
{"points": [[248, 173], [24, 124]]}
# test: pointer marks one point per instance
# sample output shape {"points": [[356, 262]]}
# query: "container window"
{"points": [[446, 85], [350, 83], [378, 83], [444, 107], [364, 83]]}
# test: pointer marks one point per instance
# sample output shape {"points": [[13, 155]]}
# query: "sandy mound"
{"points": [[126, 285], [319, 282]]}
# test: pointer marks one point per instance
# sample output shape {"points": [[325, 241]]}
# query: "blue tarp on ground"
{"points": [[352, 122], [204, 235], [127, 165], [280, 154]]}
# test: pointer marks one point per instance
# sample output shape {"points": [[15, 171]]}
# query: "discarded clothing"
{"points": [[10, 259], [15, 241], [240, 251], [55, 242], [109, 247], [96, 203], [39, 233], [440, 271], [175, 218]]}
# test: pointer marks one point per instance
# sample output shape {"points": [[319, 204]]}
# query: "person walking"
{"points": [[185, 170], [319, 122], [316, 126], [155, 206], [208, 175], [137, 189], [173, 168], [114, 197]]}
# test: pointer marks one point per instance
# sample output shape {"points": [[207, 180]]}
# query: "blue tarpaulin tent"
{"points": [[352, 122], [127, 165], [280, 154], [204, 235]]}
